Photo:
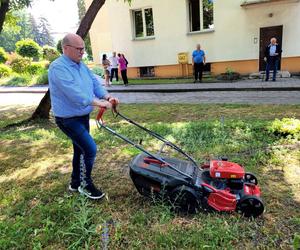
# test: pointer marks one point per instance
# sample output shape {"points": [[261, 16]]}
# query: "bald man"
{"points": [[198, 61], [74, 92], [272, 56]]}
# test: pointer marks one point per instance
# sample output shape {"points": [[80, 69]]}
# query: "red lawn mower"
{"points": [[219, 185]]}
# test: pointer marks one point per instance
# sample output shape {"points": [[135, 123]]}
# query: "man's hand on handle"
{"points": [[109, 103], [114, 101]]}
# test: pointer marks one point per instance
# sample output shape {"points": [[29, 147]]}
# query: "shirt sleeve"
{"points": [[64, 81], [99, 91]]}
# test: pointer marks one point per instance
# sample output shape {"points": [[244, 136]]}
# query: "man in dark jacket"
{"points": [[272, 56]]}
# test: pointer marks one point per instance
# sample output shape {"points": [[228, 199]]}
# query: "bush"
{"points": [[98, 71], [11, 56], [285, 127], [20, 64], [19, 80], [5, 71], [34, 68], [59, 47], [43, 78], [229, 75], [50, 53], [28, 48], [3, 55]]}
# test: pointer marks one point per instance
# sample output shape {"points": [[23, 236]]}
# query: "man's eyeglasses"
{"points": [[77, 48]]}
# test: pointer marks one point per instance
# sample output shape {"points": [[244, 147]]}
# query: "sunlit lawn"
{"points": [[37, 211], [144, 81], [15, 81]]}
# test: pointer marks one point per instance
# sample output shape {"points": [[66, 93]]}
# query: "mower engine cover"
{"points": [[226, 170]]}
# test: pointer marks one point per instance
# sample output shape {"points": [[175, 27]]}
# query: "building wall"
{"points": [[231, 44]]}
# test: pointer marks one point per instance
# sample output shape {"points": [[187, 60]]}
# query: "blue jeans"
{"points": [[272, 63], [85, 149]]}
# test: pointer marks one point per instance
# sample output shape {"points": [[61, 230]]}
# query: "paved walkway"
{"points": [[282, 84], [284, 91], [238, 97], [242, 97]]}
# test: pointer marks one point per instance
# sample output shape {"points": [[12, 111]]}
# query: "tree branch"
{"points": [[89, 18], [4, 7]]}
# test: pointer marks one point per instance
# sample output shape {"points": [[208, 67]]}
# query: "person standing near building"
{"points": [[198, 61], [272, 56], [123, 68], [74, 91], [106, 66], [114, 61]]}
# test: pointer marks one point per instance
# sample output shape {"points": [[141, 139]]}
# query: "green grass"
{"points": [[21, 80], [145, 81], [37, 212]]}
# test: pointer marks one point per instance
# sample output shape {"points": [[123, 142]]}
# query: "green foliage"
{"points": [[229, 75], [19, 4], [50, 53], [35, 68], [22, 25], [28, 48], [3, 55], [42, 34], [296, 243], [98, 71], [42, 79], [81, 225], [59, 47], [5, 71], [20, 64], [19, 80], [229, 71], [285, 126]]}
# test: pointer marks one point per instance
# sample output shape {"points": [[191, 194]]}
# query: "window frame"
{"points": [[144, 37], [201, 14]]}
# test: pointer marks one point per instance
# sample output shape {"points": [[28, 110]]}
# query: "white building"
{"points": [[233, 33]]}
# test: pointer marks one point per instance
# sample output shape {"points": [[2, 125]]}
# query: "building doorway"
{"points": [[266, 34]]}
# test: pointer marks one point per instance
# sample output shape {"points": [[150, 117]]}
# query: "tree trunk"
{"points": [[4, 6], [89, 18], [42, 111]]}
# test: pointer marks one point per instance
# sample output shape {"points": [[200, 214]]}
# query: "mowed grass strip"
{"points": [[37, 212]]}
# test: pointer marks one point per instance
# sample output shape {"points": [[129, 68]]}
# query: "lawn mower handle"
{"points": [[100, 124], [152, 133], [103, 109]]}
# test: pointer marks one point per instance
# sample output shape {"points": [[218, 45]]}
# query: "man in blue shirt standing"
{"points": [[74, 91], [198, 60], [272, 56]]}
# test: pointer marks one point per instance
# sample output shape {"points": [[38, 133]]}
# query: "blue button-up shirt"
{"points": [[72, 88], [272, 50], [198, 56]]}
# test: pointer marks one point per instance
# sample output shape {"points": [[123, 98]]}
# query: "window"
{"points": [[201, 15], [147, 72], [143, 23]]}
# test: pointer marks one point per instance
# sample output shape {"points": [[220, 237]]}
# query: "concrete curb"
{"points": [[163, 90], [203, 90]]}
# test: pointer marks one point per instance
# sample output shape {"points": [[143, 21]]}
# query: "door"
{"points": [[266, 34]]}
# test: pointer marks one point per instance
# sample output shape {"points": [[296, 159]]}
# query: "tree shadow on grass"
{"points": [[275, 229]]}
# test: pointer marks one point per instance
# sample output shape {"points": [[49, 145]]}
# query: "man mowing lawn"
{"points": [[74, 91]]}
